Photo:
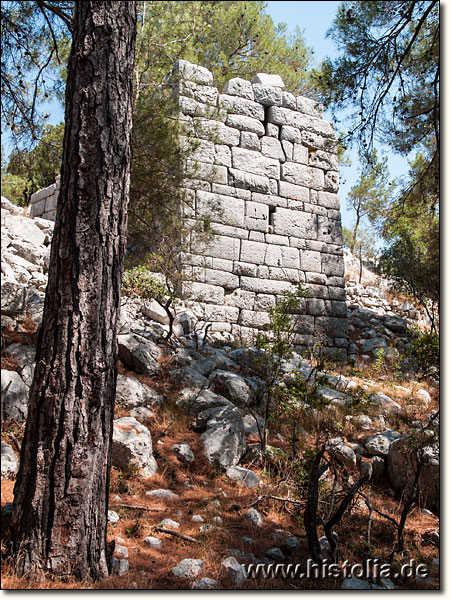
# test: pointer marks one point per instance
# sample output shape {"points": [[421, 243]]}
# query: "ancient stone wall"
{"points": [[264, 175], [43, 202]]}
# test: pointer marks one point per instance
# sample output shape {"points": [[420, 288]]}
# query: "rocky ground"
{"points": [[193, 497]]}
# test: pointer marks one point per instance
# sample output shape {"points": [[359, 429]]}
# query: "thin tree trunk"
{"points": [[61, 493]]}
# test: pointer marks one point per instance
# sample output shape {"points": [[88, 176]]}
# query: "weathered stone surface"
{"points": [[234, 570], [253, 162], [249, 181], [186, 70], [13, 297], [303, 175], [14, 396], [239, 87], [132, 446], [184, 452], [379, 444], [188, 568], [224, 438], [245, 476], [241, 106], [269, 80], [139, 354], [205, 583], [131, 393], [162, 494], [244, 123], [153, 542], [267, 95], [9, 462]]}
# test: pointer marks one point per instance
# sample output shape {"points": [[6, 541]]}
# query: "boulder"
{"points": [[25, 357], [170, 523], [184, 452], [232, 386], [188, 568], [9, 462], [162, 493], [131, 393], [24, 228], [402, 462], [15, 396], [343, 453], [188, 377], [132, 446], [139, 354], [205, 583], [143, 414], [119, 566], [13, 298], [234, 570], [378, 468], [275, 554], [254, 517], [153, 542], [224, 438], [384, 402], [251, 424], [378, 444], [245, 476], [395, 324], [193, 401]]}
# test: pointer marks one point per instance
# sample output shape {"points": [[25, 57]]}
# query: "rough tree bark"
{"points": [[61, 493]]}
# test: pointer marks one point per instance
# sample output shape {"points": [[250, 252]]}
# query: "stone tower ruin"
{"points": [[264, 172]]}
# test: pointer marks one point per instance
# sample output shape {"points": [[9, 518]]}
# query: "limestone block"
{"points": [[249, 318], [318, 142], [302, 175], [222, 265], [288, 149], [256, 226], [273, 186], [264, 301], [197, 184], [279, 240], [338, 308], [336, 281], [220, 209], [334, 213], [331, 183], [214, 131], [253, 252], [256, 236], [297, 205], [51, 201], [324, 160], [245, 124], [272, 148], [261, 286], [282, 256], [241, 299], [272, 130], [303, 324], [253, 162], [217, 247], [300, 155], [336, 293], [203, 292], [249, 181], [257, 210], [206, 171], [309, 107], [250, 141], [316, 278], [228, 190], [229, 231], [241, 106], [317, 291], [286, 116], [304, 340], [239, 87], [328, 200], [294, 223], [283, 274], [189, 106], [269, 80], [246, 269], [330, 231], [227, 280], [222, 155], [295, 192], [201, 93], [291, 134], [332, 326], [315, 306], [201, 150], [314, 209], [269, 199], [186, 70], [196, 260], [215, 312], [315, 246], [38, 208], [267, 95], [289, 101]]}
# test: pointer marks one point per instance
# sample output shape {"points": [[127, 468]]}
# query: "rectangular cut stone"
{"points": [[256, 210], [328, 200], [255, 236], [324, 160], [294, 192], [222, 155], [192, 107], [51, 201], [294, 223], [250, 141], [196, 260], [331, 183], [201, 93], [227, 280], [245, 124], [284, 274], [304, 324], [285, 116], [317, 291], [197, 184], [241, 299], [328, 230], [336, 281], [316, 210], [262, 286], [201, 150], [249, 181], [38, 208], [302, 175], [280, 240], [272, 130], [289, 101], [246, 269], [198, 170], [309, 107], [228, 190], [253, 252], [282, 256], [183, 69], [217, 247], [315, 306], [249, 318], [338, 309], [229, 231], [311, 261], [267, 95], [291, 134], [297, 205], [333, 265], [215, 131], [222, 265], [269, 199], [257, 225], [318, 142], [252, 162], [272, 148], [300, 154], [288, 149], [203, 292], [239, 87], [332, 326], [215, 312], [264, 302], [336, 293], [220, 209], [273, 186], [241, 106], [316, 278]]}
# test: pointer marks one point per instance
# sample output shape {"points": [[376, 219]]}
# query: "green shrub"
{"points": [[424, 351], [139, 282]]}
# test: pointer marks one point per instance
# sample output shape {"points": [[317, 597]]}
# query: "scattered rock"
{"points": [[139, 354], [170, 524], [120, 552], [25, 357], [197, 519], [254, 517], [142, 414], [14, 396], [245, 476], [205, 583], [275, 554], [119, 567], [188, 568], [188, 377], [251, 424], [342, 452], [162, 494], [132, 446], [379, 444], [113, 517], [131, 393], [423, 396], [153, 542], [224, 438], [9, 461], [384, 402], [193, 401], [234, 570], [379, 468], [184, 452]]}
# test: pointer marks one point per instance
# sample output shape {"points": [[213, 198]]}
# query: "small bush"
{"points": [[139, 282], [424, 351]]}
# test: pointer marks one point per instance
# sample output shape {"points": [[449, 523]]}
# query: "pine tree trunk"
{"points": [[61, 493]]}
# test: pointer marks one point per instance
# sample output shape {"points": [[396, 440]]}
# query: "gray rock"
{"points": [[13, 298], [139, 354], [163, 494], [250, 424], [25, 229], [9, 462], [187, 321], [385, 403], [170, 524], [15, 396], [113, 517], [362, 422], [142, 414], [423, 395], [188, 568], [188, 377], [25, 357], [120, 552], [402, 464], [291, 544], [205, 583], [234, 570], [197, 519], [119, 567], [232, 386], [248, 541], [342, 452], [193, 401], [396, 324], [275, 554], [378, 444], [132, 446], [206, 366], [131, 393], [184, 452], [153, 542], [269, 80], [254, 517], [332, 396], [224, 438], [378, 468], [245, 476]]}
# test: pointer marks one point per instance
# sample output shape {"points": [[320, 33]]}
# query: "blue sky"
{"points": [[315, 18]]}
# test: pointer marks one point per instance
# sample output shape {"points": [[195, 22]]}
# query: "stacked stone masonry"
{"points": [[43, 202], [263, 173]]}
